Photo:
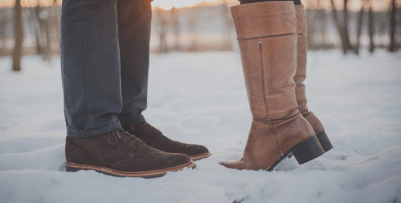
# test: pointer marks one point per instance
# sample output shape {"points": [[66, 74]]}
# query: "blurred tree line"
{"points": [[30, 31], [331, 24]]}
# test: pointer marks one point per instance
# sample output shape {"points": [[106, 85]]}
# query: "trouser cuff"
{"points": [[93, 133], [132, 119]]}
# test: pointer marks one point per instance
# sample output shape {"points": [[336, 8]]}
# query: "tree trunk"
{"points": [[359, 29], [371, 29], [19, 36], [340, 28], [40, 31], [323, 27], [392, 27], [176, 27], [162, 23], [55, 23], [228, 26], [346, 32], [3, 25], [192, 22], [47, 25]]}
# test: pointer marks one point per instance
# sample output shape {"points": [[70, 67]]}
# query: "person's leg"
{"points": [[134, 20], [267, 36], [90, 64], [92, 92], [301, 72]]}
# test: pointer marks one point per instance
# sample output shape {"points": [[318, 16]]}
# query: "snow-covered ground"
{"points": [[201, 98]]}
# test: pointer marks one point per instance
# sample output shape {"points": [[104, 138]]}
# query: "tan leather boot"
{"points": [[267, 36], [299, 78]]}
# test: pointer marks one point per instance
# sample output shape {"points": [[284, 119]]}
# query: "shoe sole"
{"points": [[73, 167], [200, 156], [303, 152], [324, 141]]}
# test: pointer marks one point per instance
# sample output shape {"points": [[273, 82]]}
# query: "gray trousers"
{"points": [[104, 64]]}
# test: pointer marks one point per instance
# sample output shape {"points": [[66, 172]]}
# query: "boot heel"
{"points": [[307, 150], [324, 141]]}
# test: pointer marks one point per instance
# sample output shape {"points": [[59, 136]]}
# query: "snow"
{"points": [[201, 98]]}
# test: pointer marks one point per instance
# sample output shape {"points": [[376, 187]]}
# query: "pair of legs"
{"points": [[105, 59]]}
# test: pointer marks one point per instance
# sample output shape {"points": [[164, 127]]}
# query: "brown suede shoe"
{"points": [[121, 154], [154, 138]]}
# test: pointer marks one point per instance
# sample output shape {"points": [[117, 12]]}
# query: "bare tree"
{"points": [[3, 26], [359, 27], [312, 30], [322, 16], [371, 28], [35, 23], [317, 26], [19, 36], [346, 20], [192, 21], [175, 22], [162, 23], [392, 27], [228, 25], [43, 16], [56, 13], [342, 26]]}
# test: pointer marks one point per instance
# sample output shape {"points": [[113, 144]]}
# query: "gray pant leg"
{"points": [[90, 64], [134, 20]]}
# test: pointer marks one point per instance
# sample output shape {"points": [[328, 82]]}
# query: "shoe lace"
{"points": [[117, 136]]}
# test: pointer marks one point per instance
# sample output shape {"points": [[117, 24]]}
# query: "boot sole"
{"points": [[303, 152], [200, 156], [324, 141], [73, 167]]}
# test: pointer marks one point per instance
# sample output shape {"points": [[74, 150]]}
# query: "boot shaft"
{"points": [[302, 48], [267, 36], [264, 19]]}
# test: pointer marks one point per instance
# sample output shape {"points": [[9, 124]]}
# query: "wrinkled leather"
{"points": [[154, 138], [300, 74], [259, 20], [127, 154], [267, 35]]}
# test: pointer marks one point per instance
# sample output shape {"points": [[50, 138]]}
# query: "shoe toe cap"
{"points": [[179, 159], [198, 149]]}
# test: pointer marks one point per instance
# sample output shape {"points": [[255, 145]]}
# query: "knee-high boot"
{"points": [[267, 36]]}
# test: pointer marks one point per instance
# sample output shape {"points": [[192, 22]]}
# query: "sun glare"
{"points": [[168, 4]]}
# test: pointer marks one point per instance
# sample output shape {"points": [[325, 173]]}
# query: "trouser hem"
{"points": [[132, 119], [93, 133]]}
